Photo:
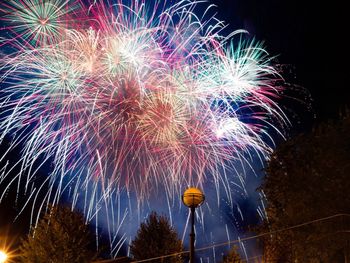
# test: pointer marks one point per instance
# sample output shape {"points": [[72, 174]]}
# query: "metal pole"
{"points": [[192, 236]]}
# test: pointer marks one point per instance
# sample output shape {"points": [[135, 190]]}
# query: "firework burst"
{"points": [[37, 22], [135, 99]]}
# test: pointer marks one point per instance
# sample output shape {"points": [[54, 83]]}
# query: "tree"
{"points": [[61, 236], [232, 256], [156, 237], [307, 179]]}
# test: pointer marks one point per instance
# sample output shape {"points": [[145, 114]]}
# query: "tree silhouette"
{"points": [[308, 178], [155, 238], [232, 256], [61, 236]]}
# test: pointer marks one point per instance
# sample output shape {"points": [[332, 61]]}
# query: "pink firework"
{"points": [[130, 97]]}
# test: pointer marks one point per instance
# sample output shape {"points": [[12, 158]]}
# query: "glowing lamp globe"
{"points": [[193, 197]]}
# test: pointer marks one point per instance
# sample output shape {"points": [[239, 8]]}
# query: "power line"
{"points": [[273, 232], [237, 240]]}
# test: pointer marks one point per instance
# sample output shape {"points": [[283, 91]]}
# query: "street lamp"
{"points": [[192, 198], [3, 256]]}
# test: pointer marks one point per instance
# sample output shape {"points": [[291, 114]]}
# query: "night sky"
{"points": [[308, 35]]}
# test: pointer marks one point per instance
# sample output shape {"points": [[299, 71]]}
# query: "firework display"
{"points": [[128, 97]]}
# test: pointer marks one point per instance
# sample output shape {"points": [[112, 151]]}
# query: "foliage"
{"points": [[156, 237], [61, 236], [307, 179], [233, 256]]}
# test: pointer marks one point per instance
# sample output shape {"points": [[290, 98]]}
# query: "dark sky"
{"points": [[309, 35]]}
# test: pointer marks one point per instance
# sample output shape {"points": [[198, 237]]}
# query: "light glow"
{"points": [[3, 256]]}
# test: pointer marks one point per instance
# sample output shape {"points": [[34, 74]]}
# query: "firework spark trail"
{"points": [[135, 100], [37, 22]]}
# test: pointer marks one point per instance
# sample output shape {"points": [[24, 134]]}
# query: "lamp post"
{"points": [[192, 198]]}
